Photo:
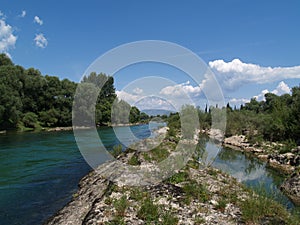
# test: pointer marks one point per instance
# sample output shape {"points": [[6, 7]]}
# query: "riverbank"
{"points": [[287, 163], [192, 195]]}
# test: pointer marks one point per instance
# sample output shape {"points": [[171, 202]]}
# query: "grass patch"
{"points": [[259, 208], [137, 194], [134, 161], [116, 151], [146, 156], [196, 191], [178, 177], [121, 205], [169, 219], [157, 154], [221, 205], [148, 211]]}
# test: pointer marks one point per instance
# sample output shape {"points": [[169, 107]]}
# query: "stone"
{"points": [[291, 186]]}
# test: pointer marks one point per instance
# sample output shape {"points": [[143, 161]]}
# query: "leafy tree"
{"points": [[30, 120]]}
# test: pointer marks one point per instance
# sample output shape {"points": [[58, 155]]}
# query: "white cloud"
{"points": [[153, 102], [179, 90], [238, 101], [23, 14], [261, 96], [7, 38], [40, 41], [145, 102], [232, 75], [38, 20], [138, 91], [282, 88], [130, 98]]}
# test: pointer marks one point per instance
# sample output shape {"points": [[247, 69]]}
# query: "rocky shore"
{"points": [[192, 195], [287, 163]]}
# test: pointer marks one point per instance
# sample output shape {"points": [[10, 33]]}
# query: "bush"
{"points": [[30, 120], [117, 150], [134, 161]]}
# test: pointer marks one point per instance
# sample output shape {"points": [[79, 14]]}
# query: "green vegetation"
{"points": [[257, 208], [137, 194], [193, 190], [30, 101], [121, 205], [275, 119], [117, 150], [148, 212], [178, 177], [134, 160], [169, 219], [158, 154], [260, 208]]}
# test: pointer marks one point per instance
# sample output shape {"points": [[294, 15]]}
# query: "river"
{"points": [[40, 171]]}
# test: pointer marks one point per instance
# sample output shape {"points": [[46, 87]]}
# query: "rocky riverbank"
{"points": [[287, 163], [117, 193]]}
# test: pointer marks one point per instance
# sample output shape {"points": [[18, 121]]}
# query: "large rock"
{"points": [[291, 187], [91, 188]]}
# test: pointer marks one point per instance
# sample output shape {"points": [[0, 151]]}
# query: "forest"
{"points": [[31, 101]]}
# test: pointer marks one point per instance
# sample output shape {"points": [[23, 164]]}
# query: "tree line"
{"points": [[275, 119], [29, 100]]}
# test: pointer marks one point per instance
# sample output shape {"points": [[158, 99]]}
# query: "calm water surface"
{"points": [[40, 171]]}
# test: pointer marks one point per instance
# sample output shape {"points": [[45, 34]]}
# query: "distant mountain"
{"points": [[155, 112]]}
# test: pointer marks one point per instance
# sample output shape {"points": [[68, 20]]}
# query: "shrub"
{"points": [[117, 150], [134, 161]]}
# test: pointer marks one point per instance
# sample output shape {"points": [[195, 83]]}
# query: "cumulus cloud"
{"points": [[179, 90], [23, 14], [282, 88], [38, 20], [261, 95], [7, 38], [40, 41], [130, 98], [232, 75]]}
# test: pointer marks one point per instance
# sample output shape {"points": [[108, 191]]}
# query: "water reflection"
{"points": [[248, 170]]}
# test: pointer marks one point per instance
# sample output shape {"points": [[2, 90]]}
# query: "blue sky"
{"points": [[251, 46]]}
